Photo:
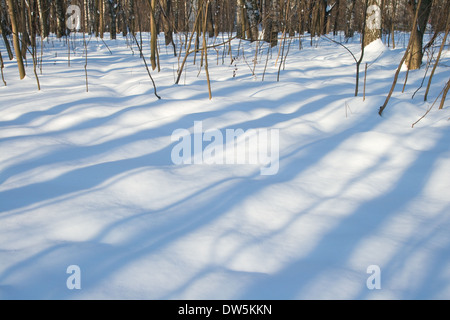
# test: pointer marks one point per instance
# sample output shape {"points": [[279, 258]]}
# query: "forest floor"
{"points": [[358, 206]]}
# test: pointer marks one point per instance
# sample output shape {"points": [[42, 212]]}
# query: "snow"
{"points": [[86, 178]]}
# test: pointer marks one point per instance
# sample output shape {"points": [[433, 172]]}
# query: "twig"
{"points": [[108, 47], [2, 66], [365, 77], [146, 66], [347, 107], [426, 72], [429, 109]]}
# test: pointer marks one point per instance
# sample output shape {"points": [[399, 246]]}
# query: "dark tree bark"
{"points": [[112, 6], [4, 29], [271, 25], [415, 54], [166, 6], [60, 19]]}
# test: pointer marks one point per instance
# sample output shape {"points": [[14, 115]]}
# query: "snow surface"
{"points": [[86, 178]]}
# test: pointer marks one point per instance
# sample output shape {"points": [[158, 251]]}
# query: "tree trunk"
{"points": [[42, 6], [415, 55], [60, 19], [4, 30], [113, 17], [153, 40], [89, 16], [101, 18], [16, 40], [271, 18], [23, 28], [349, 30], [253, 17], [373, 22], [167, 21], [131, 17], [240, 19], [87, 23]]}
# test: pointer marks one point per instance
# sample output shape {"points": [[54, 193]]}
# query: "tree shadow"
{"points": [[103, 260], [149, 234], [332, 253]]}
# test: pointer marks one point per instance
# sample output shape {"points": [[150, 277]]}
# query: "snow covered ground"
{"points": [[87, 179]]}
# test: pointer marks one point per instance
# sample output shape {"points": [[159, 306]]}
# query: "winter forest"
{"points": [[231, 150]]}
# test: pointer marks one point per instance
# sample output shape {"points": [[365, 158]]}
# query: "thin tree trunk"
{"points": [[23, 27], [188, 52], [33, 44], [43, 18], [60, 19], [101, 17], [349, 31], [205, 49], [131, 16], [447, 29], [16, 40], [394, 10], [85, 60], [2, 66], [240, 19], [358, 63], [113, 19], [153, 40], [3, 29]]}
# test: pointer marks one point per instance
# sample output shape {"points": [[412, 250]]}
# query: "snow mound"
{"points": [[374, 50]]}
